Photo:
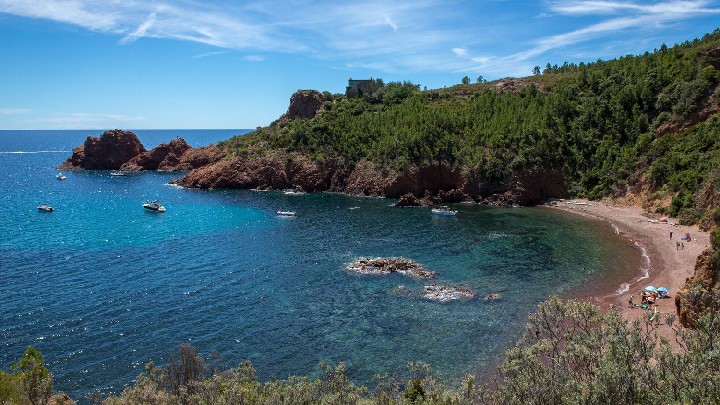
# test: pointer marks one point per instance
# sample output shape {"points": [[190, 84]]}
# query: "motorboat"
{"points": [[117, 173], [443, 211], [45, 208], [154, 206], [286, 213], [61, 176]]}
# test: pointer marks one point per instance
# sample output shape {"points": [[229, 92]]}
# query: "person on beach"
{"points": [[670, 234], [677, 245], [682, 246], [630, 301]]}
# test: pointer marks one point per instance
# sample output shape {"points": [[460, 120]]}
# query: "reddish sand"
{"points": [[669, 266]]}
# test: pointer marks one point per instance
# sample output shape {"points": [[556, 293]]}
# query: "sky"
{"points": [[206, 64]]}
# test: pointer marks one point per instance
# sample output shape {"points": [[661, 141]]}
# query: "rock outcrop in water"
{"points": [[107, 152], [118, 149], [391, 265], [443, 293]]}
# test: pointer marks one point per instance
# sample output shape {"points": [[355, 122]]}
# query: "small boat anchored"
{"points": [[443, 211], [45, 208], [154, 206], [286, 213], [61, 176], [117, 173]]}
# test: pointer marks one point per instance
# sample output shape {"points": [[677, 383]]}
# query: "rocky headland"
{"points": [[122, 150], [426, 184]]}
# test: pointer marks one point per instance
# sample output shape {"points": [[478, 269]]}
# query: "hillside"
{"points": [[642, 125]]}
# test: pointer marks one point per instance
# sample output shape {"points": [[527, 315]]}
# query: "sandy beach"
{"points": [[668, 266]]}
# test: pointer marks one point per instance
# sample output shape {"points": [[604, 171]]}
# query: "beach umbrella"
{"points": [[651, 288], [663, 289]]}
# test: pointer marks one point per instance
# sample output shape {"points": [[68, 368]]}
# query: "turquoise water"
{"points": [[101, 287]]}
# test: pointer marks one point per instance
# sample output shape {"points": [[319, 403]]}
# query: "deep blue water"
{"points": [[101, 287]]}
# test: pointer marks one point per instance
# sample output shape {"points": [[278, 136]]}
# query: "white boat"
{"points": [[286, 213], [154, 206], [45, 208], [61, 176], [443, 211], [117, 173]]}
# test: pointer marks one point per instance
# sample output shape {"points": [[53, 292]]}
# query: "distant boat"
{"points": [[45, 208], [286, 213], [61, 176], [154, 206], [443, 211], [294, 192], [117, 173]]}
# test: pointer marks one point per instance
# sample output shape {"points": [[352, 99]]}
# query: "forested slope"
{"points": [[644, 123]]}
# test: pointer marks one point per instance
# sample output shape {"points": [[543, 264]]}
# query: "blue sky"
{"points": [[98, 64]]}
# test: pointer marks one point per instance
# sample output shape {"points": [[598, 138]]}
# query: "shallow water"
{"points": [[101, 287]]}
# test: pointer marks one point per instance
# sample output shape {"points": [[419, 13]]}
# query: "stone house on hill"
{"points": [[358, 88]]}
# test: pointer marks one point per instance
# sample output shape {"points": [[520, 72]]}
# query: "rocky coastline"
{"points": [[122, 150]]}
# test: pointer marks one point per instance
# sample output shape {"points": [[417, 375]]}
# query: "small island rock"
{"points": [[391, 265]]}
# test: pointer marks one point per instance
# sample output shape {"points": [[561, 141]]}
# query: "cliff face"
{"points": [[697, 297], [434, 183], [107, 152]]}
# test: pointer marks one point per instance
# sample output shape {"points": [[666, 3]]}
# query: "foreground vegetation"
{"points": [[571, 352], [636, 121]]}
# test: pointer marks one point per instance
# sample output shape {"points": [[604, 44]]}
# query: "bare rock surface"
{"points": [[444, 293], [391, 265]]}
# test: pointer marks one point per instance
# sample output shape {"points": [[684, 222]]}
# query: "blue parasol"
{"points": [[651, 288], [663, 289]]}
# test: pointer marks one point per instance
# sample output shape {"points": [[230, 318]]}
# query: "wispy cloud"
{"points": [[623, 18], [208, 54], [254, 58], [460, 51], [350, 34], [14, 111], [81, 120], [142, 30]]}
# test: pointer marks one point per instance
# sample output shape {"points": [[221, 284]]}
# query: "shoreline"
{"points": [[664, 265]]}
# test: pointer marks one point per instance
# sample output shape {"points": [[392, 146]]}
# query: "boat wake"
{"points": [[22, 152]]}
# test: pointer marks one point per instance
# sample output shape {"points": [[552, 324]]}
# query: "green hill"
{"points": [[644, 124]]}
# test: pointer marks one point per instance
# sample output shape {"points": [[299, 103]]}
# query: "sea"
{"points": [[101, 286]]}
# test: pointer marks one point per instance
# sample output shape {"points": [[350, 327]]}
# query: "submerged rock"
{"points": [[446, 293], [391, 265], [492, 297]]}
